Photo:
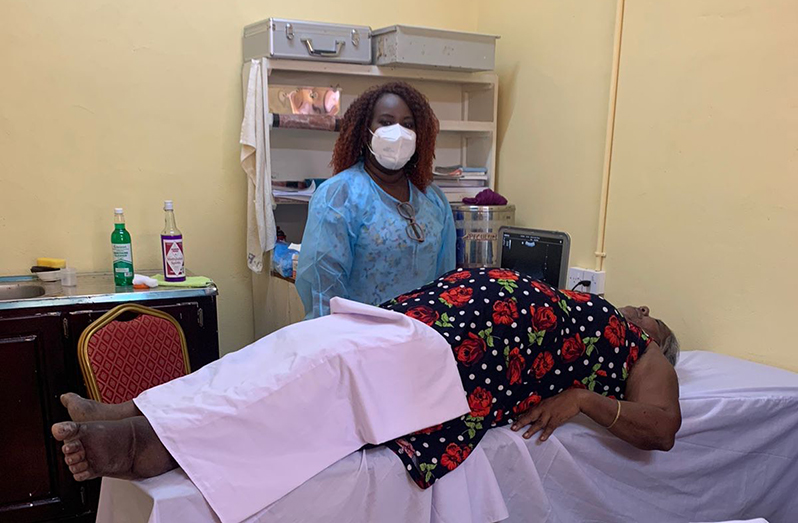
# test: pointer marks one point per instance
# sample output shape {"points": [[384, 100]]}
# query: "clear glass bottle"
{"points": [[174, 267], [122, 249]]}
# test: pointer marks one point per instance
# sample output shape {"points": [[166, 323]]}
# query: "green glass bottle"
{"points": [[123, 250]]}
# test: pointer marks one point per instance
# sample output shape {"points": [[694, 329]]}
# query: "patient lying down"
{"points": [[528, 356]]}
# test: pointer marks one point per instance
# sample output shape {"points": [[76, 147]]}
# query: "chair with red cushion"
{"points": [[120, 359]]}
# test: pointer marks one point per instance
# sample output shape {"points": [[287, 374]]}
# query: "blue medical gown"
{"points": [[356, 245]]}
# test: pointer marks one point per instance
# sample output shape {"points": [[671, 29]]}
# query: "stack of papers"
{"points": [[459, 176], [460, 172], [290, 193]]}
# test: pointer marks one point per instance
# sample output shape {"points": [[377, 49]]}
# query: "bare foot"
{"points": [[127, 449], [97, 449], [82, 409]]}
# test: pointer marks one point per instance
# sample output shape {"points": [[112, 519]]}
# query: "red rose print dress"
{"points": [[516, 341]]}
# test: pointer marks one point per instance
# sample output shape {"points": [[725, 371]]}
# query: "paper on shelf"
{"points": [[295, 194], [458, 172]]}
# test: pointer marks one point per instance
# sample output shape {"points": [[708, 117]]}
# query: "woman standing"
{"points": [[379, 227]]}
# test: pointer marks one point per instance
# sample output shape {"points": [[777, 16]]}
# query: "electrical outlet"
{"points": [[575, 275], [596, 279]]}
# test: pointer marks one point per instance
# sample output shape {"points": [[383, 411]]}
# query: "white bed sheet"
{"points": [[299, 400], [736, 457]]}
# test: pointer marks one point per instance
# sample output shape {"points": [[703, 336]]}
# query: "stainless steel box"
{"points": [[479, 243], [297, 40], [404, 45]]}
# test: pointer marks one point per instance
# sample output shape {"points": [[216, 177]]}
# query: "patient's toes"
{"points": [[78, 468], [72, 446], [82, 476], [75, 457], [65, 430]]}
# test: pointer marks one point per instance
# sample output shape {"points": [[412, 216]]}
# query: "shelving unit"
{"points": [[465, 104]]}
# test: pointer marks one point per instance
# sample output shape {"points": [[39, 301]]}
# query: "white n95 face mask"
{"points": [[393, 146]]}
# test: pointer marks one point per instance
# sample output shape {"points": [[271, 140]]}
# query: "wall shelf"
{"points": [[288, 201], [466, 126], [487, 79], [457, 126]]}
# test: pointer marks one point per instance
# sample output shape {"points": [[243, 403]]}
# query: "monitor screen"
{"points": [[540, 257]]}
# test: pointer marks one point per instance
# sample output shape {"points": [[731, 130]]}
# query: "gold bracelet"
{"points": [[617, 416]]}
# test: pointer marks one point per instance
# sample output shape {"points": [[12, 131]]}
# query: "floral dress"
{"points": [[517, 341]]}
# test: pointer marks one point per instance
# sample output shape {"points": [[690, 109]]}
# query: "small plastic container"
{"points": [[69, 277], [50, 276]]}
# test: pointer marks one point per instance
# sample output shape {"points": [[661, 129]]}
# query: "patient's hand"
{"points": [[550, 414]]}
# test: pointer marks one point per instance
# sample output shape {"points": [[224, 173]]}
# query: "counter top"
{"points": [[94, 288]]}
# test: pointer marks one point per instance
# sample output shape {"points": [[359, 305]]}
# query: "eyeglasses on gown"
{"points": [[414, 229]]}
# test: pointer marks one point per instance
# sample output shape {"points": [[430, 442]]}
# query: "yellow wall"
{"points": [[703, 220], [554, 59], [106, 104], [703, 210]]}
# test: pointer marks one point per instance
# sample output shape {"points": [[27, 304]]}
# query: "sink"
{"points": [[20, 292]]}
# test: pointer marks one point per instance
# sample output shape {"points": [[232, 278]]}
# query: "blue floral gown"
{"points": [[356, 244]]}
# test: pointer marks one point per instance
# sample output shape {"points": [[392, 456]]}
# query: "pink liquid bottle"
{"points": [[174, 263]]}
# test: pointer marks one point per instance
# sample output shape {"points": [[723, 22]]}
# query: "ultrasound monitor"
{"points": [[542, 255]]}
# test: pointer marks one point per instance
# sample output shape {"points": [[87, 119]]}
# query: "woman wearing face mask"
{"points": [[379, 227]]}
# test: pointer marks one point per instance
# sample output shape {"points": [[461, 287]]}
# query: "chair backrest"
{"points": [[121, 359]]}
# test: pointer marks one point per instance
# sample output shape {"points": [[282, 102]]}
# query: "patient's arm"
{"points": [[649, 418], [651, 415]]}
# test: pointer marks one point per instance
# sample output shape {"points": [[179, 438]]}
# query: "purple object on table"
{"points": [[486, 197]]}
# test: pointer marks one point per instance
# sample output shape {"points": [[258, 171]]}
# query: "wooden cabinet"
{"points": [[277, 302], [38, 354], [35, 485]]}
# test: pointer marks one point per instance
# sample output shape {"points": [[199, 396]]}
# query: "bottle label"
{"points": [[123, 259], [122, 252], [173, 261]]}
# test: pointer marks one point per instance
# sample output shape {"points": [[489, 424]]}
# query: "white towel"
{"points": [[261, 232]]}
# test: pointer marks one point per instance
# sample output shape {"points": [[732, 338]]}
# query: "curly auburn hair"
{"points": [[354, 138]]}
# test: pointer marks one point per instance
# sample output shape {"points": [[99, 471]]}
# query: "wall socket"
{"points": [[596, 279]]}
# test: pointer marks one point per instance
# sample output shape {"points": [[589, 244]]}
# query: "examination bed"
{"points": [[735, 457]]}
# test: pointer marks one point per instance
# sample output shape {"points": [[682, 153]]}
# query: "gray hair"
{"points": [[670, 349]]}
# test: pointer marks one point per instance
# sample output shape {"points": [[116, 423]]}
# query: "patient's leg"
{"points": [[82, 409], [127, 449]]}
